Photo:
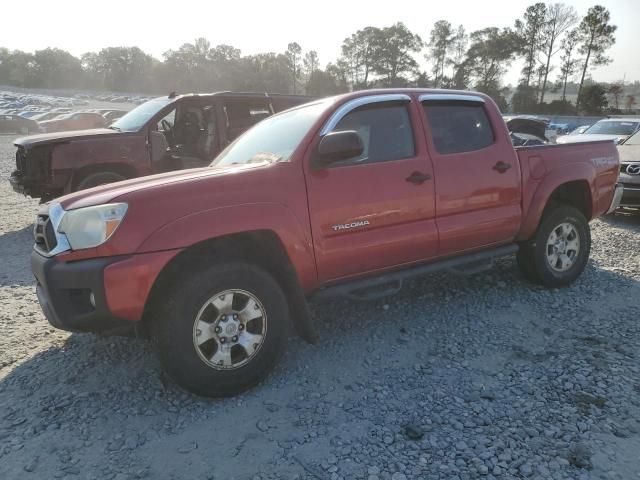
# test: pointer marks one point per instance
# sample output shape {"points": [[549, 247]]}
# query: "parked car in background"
{"points": [[629, 152], [17, 124], [526, 131], [112, 115], [41, 117], [579, 131], [616, 129], [168, 133], [348, 195], [74, 121]]}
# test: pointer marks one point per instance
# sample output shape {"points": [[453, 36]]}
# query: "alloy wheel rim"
{"points": [[229, 329], [563, 247]]}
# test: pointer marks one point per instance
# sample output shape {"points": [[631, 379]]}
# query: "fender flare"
{"points": [[575, 172]]}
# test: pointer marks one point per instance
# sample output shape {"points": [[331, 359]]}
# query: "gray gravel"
{"points": [[454, 378]]}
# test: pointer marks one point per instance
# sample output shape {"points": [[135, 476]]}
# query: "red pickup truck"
{"points": [[348, 195]]}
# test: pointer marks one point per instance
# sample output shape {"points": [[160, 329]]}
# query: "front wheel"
{"points": [[99, 178], [559, 251], [222, 330]]}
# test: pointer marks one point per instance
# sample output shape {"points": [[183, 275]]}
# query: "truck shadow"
{"points": [[15, 269], [623, 218]]}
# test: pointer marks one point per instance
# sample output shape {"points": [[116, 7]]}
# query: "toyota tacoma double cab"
{"points": [[348, 195], [167, 133]]}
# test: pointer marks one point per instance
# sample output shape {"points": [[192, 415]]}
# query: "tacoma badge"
{"points": [[346, 226]]}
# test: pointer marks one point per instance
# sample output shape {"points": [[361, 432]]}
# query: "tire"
{"points": [[100, 178], [556, 261], [194, 303]]}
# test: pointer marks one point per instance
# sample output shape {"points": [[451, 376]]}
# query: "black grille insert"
{"points": [[45, 236]]}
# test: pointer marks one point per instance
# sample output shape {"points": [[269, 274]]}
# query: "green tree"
{"points": [[459, 76], [440, 43], [559, 18], [358, 52], [529, 29], [393, 59], [568, 62], [524, 100], [616, 90], [293, 54], [490, 54], [593, 100], [595, 36], [630, 102], [311, 62]]}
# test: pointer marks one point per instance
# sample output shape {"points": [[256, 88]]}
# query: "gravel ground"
{"points": [[454, 378]]}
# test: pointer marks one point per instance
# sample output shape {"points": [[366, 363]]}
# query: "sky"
{"points": [[79, 26]]}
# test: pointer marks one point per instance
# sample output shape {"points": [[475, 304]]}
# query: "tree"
{"points": [[630, 102], [459, 75], [559, 18], [529, 29], [616, 90], [324, 82], [311, 62], [293, 55], [393, 58], [595, 36], [440, 43], [358, 53], [524, 100], [594, 99], [490, 54], [568, 63]]}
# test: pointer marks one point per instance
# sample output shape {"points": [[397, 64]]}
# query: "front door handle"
{"points": [[501, 167], [418, 178]]}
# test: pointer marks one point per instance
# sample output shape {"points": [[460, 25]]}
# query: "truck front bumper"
{"points": [[98, 294], [631, 196], [617, 197], [72, 295], [31, 186]]}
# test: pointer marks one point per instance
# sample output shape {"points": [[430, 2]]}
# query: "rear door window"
{"points": [[458, 126]]}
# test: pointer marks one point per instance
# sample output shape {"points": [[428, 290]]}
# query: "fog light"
{"points": [[92, 300]]}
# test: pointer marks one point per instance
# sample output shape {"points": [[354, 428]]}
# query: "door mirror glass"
{"points": [[336, 146]]}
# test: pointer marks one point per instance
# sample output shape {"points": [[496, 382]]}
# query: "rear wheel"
{"points": [[222, 330], [100, 178], [559, 251]]}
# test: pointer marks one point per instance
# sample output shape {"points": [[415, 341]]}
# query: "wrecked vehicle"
{"points": [[167, 133], [349, 195]]}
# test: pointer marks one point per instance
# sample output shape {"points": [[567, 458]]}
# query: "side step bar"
{"points": [[391, 282]]}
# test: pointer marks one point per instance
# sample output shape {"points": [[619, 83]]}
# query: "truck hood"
{"points": [[63, 137], [589, 137], [107, 193]]}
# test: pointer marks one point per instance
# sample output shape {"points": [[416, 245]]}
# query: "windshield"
{"points": [[139, 116], [613, 128], [633, 139], [273, 139]]}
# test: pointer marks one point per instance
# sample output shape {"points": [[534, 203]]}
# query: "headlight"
{"points": [[91, 226]]}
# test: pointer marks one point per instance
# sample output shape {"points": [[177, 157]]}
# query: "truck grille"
{"points": [[21, 160], [45, 236]]}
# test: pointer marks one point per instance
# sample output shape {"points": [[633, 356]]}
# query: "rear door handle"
{"points": [[501, 167], [418, 178]]}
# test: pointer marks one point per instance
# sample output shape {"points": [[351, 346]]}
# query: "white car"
{"points": [[617, 129]]}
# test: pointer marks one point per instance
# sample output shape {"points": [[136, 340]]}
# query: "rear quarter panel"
{"points": [[545, 168]]}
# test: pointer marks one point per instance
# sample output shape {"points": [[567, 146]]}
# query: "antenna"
{"points": [[172, 95]]}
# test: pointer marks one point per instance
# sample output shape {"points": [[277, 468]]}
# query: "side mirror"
{"points": [[338, 146]]}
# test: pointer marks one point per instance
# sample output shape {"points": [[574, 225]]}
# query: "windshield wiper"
{"points": [[113, 127]]}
